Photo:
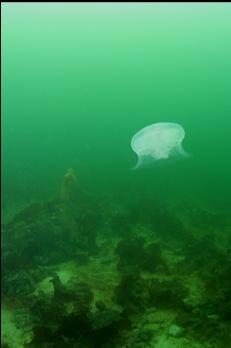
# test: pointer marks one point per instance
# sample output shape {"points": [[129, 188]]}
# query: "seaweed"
{"points": [[131, 293], [156, 267], [167, 294], [131, 254], [135, 257]]}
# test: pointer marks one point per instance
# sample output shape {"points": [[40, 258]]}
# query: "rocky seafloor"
{"points": [[91, 273]]}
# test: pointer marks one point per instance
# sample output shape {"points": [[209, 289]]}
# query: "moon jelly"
{"points": [[158, 142]]}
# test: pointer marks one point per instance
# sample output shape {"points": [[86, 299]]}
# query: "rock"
{"points": [[175, 330]]}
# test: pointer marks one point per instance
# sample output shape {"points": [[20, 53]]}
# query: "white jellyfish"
{"points": [[158, 142]]}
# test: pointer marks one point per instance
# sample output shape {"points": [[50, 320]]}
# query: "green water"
{"points": [[79, 80], [115, 257]]}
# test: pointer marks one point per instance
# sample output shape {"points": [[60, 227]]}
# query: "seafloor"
{"points": [[86, 272]]}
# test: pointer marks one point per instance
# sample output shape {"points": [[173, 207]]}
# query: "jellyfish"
{"points": [[157, 143]]}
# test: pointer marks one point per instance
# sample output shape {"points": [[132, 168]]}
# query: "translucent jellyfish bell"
{"points": [[158, 142]]}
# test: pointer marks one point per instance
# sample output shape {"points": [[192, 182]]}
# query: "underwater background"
{"points": [[78, 81]]}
